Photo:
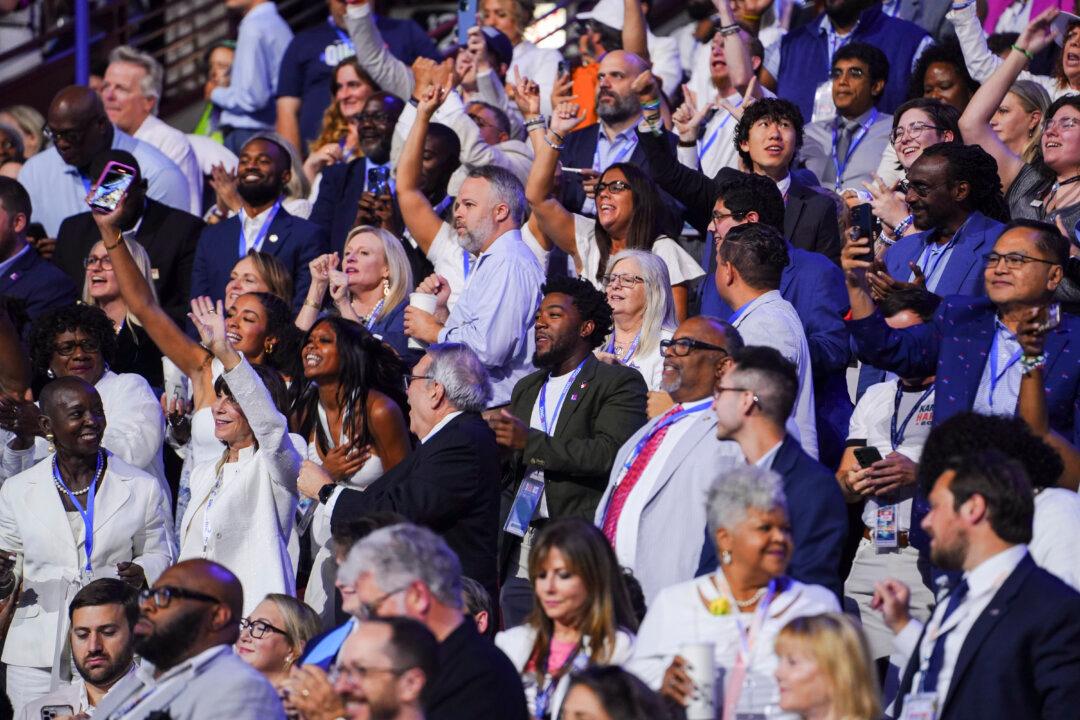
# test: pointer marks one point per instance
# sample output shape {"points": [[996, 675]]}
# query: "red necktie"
{"points": [[637, 469]]}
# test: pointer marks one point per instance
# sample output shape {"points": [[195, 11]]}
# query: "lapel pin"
{"points": [[584, 384], [273, 238], [573, 397], [14, 276]]}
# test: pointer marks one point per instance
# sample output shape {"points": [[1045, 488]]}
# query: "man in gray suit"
{"points": [[653, 510], [188, 623]]}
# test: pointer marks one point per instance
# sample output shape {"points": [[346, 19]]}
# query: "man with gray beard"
{"points": [[653, 511]]}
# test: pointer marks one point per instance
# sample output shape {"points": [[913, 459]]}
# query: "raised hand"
{"points": [[887, 204], [563, 90], [209, 319], [339, 286], [566, 117], [853, 258], [432, 97], [477, 47], [893, 599], [749, 98], [688, 117], [1039, 33], [1031, 331], [526, 95], [644, 85], [223, 183]]}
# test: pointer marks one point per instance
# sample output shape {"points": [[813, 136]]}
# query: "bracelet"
{"points": [[903, 225], [1029, 363], [538, 121], [750, 18], [1019, 49], [119, 239], [552, 145], [558, 137], [308, 303], [414, 102], [733, 29], [960, 6], [690, 144], [886, 241]]}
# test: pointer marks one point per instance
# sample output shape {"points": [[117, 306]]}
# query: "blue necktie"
{"points": [[937, 657]]}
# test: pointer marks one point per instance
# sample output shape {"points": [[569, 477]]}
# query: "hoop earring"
{"points": [[725, 557], [386, 287]]}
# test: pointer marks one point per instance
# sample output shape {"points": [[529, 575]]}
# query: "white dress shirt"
{"points": [[1055, 533], [439, 426], [175, 146]]}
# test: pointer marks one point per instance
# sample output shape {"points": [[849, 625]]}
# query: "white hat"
{"points": [[608, 12], [1060, 24]]}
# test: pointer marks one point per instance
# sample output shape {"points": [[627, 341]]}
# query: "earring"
{"points": [[49, 437], [725, 557], [386, 287], [50, 373], [288, 662], [268, 347]]}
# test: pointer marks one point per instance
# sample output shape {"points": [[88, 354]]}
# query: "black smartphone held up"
{"points": [[863, 219], [867, 456], [112, 186], [378, 181]]}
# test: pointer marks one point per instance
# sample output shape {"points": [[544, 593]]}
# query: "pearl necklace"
{"points": [[752, 599], [62, 488]]}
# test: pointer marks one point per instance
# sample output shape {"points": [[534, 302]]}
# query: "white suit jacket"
{"points": [[671, 527], [253, 516], [129, 526]]}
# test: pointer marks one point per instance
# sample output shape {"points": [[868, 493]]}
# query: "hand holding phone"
{"points": [[112, 185]]}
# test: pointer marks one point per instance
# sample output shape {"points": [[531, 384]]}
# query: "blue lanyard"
{"points": [[896, 435], [562, 397], [86, 182], [995, 377], [630, 351], [260, 237], [627, 148], [87, 513], [864, 130], [738, 313], [465, 264], [669, 420], [715, 133], [342, 35]]}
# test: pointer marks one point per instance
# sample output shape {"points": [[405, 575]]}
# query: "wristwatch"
{"points": [[325, 492]]}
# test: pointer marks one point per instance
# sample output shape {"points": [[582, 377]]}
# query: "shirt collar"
{"points": [[10, 262], [259, 219], [784, 186], [439, 426], [826, 26], [627, 135], [766, 460], [992, 572], [501, 244]]}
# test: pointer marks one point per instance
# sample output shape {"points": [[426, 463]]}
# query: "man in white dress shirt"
{"points": [[749, 264], [131, 93]]}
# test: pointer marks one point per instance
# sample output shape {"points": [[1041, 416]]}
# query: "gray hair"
{"points": [[457, 368], [659, 303], [506, 189], [402, 554], [734, 493], [153, 81]]}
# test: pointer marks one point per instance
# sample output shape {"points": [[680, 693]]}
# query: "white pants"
{"points": [[872, 566], [27, 684]]}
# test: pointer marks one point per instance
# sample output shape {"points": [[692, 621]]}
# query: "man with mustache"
{"points": [[654, 511], [103, 616], [188, 623], [261, 225]]}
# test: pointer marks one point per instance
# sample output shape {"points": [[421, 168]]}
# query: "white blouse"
{"points": [[681, 265]]}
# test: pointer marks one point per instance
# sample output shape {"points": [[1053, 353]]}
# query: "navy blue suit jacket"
{"points": [[1021, 658], [292, 240], [339, 196], [37, 282]]}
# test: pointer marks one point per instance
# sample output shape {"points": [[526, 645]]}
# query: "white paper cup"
{"points": [[701, 661], [426, 302]]}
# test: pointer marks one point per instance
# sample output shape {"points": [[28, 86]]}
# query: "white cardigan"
{"points": [[129, 526], [517, 644], [253, 516]]}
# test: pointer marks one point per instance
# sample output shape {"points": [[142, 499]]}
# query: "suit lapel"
{"points": [[18, 271], [110, 498], [278, 234], [794, 209], [964, 256], [980, 342], [44, 502], [575, 394], [700, 425]]}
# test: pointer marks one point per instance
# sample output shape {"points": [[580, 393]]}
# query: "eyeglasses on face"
{"points": [[1013, 261], [371, 609], [410, 378], [104, 261], [87, 345], [720, 390], [70, 137], [719, 217], [1065, 123], [852, 72], [623, 279], [919, 188], [913, 130], [682, 346], [259, 628], [614, 187], [163, 595]]}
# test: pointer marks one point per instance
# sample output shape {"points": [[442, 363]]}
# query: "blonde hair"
{"points": [[659, 303], [142, 261], [1033, 98], [397, 262], [300, 621], [273, 272], [31, 122], [840, 650]]}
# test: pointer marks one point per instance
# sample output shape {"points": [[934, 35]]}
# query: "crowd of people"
{"points": [[725, 374]]}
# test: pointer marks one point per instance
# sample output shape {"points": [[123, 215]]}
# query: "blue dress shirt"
{"points": [[1005, 353], [261, 41]]}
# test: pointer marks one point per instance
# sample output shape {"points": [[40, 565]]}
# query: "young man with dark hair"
{"points": [[564, 425]]}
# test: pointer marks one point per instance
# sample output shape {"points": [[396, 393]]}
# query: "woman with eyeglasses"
{"points": [[273, 636], [352, 413], [338, 140], [135, 351], [79, 514], [628, 214], [582, 615], [642, 311], [242, 512]]}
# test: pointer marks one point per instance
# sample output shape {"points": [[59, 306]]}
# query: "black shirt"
{"points": [[475, 681]]}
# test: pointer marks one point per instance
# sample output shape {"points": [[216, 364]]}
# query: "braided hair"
{"points": [[976, 167]]}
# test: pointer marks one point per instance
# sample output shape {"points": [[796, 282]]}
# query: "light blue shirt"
{"points": [[57, 190], [1007, 388], [934, 258], [248, 101], [494, 315]]}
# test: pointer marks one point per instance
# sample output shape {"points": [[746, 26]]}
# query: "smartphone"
{"points": [[53, 711], [1053, 317], [378, 181], [564, 68], [867, 456], [466, 18], [112, 186], [862, 217]]}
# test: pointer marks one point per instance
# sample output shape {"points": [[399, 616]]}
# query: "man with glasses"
{"points": [[188, 622], [653, 510], [752, 403], [59, 178]]}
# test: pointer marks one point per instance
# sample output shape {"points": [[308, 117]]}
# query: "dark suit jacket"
{"points": [[474, 681], [963, 275], [169, 237], [38, 283], [1021, 658], [810, 219], [339, 196], [292, 240], [450, 484]]}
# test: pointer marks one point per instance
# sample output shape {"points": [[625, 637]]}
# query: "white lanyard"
{"points": [[207, 527]]}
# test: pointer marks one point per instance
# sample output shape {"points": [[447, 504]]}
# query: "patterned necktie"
{"points": [[937, 656], [637, 468], [847, 132]]}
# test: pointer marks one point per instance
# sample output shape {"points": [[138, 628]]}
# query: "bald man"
{"points": [[188, 623], [58, 178], [653, 511]]}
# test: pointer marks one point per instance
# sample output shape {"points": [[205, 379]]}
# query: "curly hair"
{"points": [[89, 319], [758, 252], [590, 303], [948, 53], [976, 167], [772, 110]]}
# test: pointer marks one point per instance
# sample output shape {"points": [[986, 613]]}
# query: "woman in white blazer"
{"points": [[740, 608], [243, 506], [44, 515], [581, 615]]}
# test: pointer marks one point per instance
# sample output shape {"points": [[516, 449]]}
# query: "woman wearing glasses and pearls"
{"points": [[81, 513], [628, 214], [273, 636]]}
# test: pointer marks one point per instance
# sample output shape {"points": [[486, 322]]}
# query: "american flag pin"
{"points": [[273, 238]]}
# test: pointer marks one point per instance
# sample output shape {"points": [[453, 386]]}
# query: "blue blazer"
{"points": [[37, 282], [1021, 658], [963, 275], [339, 196], [292, 240]]}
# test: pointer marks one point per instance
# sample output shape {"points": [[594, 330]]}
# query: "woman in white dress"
{"points": [[242, 512], [739, 608], [641, 307], [352, 416]]}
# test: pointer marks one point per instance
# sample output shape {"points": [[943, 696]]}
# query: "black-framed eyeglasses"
{"points": [[163, 595], [259, 628], [1013, 261], [915, 129], [854, 72], [614, 187], [72, 137], [410, 378], [87, 345], [105, 261], [375, 117], [624, 280], [920, 189], [682, 346], [369, 609], [356, 673], [719, 217]]}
